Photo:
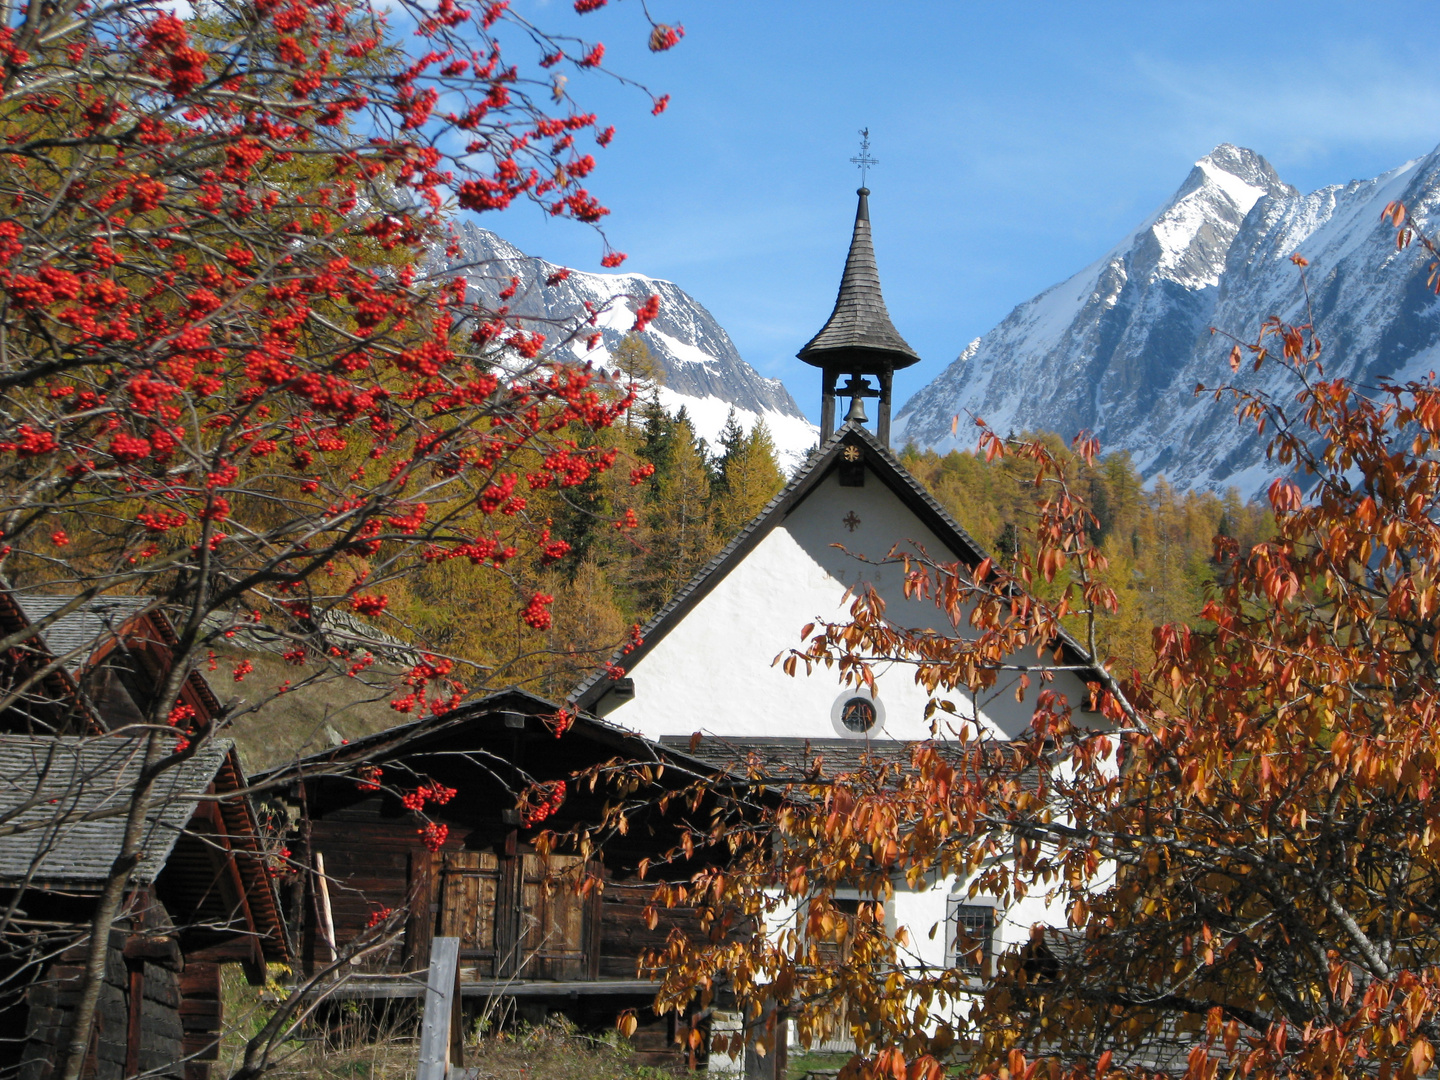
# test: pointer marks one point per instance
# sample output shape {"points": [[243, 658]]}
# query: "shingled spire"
{"points": [[859, 339]]}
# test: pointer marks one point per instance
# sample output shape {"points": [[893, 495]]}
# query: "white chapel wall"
{"points": [[714, 671]]}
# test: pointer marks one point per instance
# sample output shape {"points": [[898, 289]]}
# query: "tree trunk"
{"points": [[107, 909]]}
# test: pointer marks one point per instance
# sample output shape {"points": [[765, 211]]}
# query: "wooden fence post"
{"points": [[440, 1034]]}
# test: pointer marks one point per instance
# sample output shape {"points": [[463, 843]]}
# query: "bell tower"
{"points": [[858, 343]]}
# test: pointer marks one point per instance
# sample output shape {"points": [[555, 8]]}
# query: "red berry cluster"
{"points": [[378, 916], [541, 801], [537, 612]]}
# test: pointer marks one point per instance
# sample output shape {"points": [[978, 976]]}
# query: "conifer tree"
{"points": [[637, 364], [748, 475], [680, 534]]}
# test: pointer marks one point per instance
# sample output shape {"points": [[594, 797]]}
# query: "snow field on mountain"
{"points": [[1119, 348]]}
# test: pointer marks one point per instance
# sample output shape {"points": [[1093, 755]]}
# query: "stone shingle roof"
{"points": [[79, 634], [859, 329], [63, 803], [787, 758], [791, 760]]}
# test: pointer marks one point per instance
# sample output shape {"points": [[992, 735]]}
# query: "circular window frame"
{"points": [[837, 714]]}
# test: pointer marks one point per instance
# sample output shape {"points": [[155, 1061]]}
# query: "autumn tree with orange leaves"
{"points": [[1241, 849]]}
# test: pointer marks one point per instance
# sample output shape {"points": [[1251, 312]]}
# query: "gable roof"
{"points": [[56, 703], [886, 467], [103, 622], [63, 803], [63, 807], [75, 636], [504, 715]]}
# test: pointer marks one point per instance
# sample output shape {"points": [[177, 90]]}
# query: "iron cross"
{"points": [[864, 161], [850, 521]]}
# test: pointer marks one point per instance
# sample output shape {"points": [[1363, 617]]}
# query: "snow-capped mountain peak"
{"points": [[703, 370], [1119, 348], [1189, 236]]}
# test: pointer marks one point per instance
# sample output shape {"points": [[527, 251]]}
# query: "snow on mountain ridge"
{"points": [[1118, 348], [703, 370]]}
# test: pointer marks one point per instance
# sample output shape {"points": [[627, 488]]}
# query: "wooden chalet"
{"points": [[527, 933], [201, 896]]}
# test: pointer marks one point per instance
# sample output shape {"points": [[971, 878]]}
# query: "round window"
{"points": [[858, 714]]}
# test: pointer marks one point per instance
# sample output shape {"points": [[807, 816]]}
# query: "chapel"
{"points": [[707, 659], [705, 677]]}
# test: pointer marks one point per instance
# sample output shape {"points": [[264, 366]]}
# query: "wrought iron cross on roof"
{"points": [[864, 160]]}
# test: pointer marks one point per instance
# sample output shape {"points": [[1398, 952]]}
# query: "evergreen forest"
{"points": [[689, 499]]}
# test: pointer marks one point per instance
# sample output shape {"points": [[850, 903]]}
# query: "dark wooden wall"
{"points": [[374, 864], [137, 1026], [201, 1017], [624, 933]]}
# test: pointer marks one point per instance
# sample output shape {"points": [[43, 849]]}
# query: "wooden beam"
{"points": [[233, 950], [157, 948], [134, 1016], [254, 964], [327, 916], [440, 1045], [383, 987]]}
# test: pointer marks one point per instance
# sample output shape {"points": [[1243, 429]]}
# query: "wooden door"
{"points": [[554, 930], [470, 887]]}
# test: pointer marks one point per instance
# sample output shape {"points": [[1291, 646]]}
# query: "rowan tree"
{"points": [[1240, 848], [231, 378]]}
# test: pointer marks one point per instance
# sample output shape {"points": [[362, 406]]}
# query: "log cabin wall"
{"points": [[518, 917], [525, 932], [139, 1021]]}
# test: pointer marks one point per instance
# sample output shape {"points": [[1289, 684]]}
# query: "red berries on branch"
{"points": [[645, 314], [537, 612], [369, 604], [541, 801]]}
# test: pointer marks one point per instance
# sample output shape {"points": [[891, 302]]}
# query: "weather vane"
{"points": [[864, 161]]}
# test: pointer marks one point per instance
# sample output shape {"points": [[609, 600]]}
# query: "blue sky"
{"points": [[1017, 142]]}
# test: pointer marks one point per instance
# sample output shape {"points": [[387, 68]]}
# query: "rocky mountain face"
{"points": [[703, 370], [1119, 348]]}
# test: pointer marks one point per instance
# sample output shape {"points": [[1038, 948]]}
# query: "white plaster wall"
{"points": [[714, 671]]}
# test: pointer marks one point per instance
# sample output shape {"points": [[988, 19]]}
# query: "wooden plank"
{"points": [[327, 916], [507, 915], [552, 918], [135, 1007], [440, 1033], [470, 890], [423, 901], [389, 988]]}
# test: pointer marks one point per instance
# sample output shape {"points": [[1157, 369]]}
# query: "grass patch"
{"points": [[801, 1063], [354, 1045]]}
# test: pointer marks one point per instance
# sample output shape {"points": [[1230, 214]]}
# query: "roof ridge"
{"points": [[718, 559]]}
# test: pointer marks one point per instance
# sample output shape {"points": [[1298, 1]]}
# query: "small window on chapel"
{"points": [[858, 714]]}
